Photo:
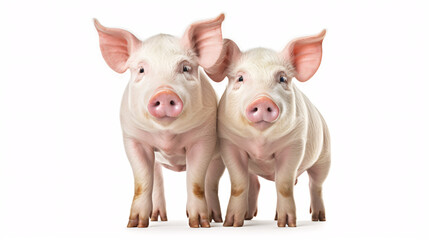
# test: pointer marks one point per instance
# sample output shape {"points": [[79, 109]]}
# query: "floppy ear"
{"points": [[230, 53], [305, 54], [116, 46], [205, 38]]}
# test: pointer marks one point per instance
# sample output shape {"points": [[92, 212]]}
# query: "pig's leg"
{"points": [[141, 158], [254, 187], [286, 168], [317, 175], [197, 161], [239, 176], [158, 198], [214, 172]]}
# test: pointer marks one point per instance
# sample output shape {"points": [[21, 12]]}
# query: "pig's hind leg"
{"points": [[254, 186], [317, 175], [214, 172], [158, 198]]}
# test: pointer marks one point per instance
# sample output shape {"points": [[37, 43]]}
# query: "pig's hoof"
{"points": [[318, 215], [140, 214], [232, 221], [196, 222], [286, 219], [253, 214], [238, 223], [198, 213], [138, 222], [215, 216], [161, 213]]}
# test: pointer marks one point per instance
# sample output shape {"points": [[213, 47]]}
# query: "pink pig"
{"points": [[268, 128], [168, 116]]}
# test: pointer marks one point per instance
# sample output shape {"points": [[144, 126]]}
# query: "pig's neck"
{"points": [[166, 136]]}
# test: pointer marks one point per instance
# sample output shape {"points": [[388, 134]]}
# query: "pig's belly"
{"points": [[175, 162], [262, 167]]}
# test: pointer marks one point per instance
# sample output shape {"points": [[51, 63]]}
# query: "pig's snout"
{"points": [[165, 103], [262, 109]]}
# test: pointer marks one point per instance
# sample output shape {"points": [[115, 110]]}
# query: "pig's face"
{"points": [[165, 90], [164, 84], [260, 93], [260, 90]]}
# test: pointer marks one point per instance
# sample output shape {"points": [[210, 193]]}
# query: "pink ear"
{"points": [[116, 46], [305, 54], [230, 53], [205, 38]]}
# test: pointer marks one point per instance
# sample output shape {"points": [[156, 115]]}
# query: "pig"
{"points": [[269, 128], [168, 116]]}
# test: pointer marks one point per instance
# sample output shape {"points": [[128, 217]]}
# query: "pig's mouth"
{"points": [[166, 120], [261, 125]]}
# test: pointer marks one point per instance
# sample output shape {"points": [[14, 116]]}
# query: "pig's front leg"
{"points": [[239, 176], [286, 167], [197, 161], [141, 158]]}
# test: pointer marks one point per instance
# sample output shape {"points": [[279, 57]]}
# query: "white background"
{"points": [[63, 170]]}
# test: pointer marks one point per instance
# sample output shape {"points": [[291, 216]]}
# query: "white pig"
{"points": [[168, 116], [268, 128]]}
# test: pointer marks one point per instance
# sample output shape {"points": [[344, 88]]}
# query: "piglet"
{"points": [[269, 128], [168, 116]]}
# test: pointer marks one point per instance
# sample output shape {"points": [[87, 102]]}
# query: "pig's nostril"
{"points": [[172, 103], [255, 109], [269, 109], [157, 103]]}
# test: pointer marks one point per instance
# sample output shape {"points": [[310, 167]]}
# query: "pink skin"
{"points": [[165, 103], [168, 117], [294, 137], [252, 207]]}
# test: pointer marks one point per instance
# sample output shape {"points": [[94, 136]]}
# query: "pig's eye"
{"points": [[186, 68], [240, 79], [141, 70], [283, 79]]}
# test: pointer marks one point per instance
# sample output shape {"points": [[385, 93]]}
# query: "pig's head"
{"points": [[165, 83], [260, 92]]}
